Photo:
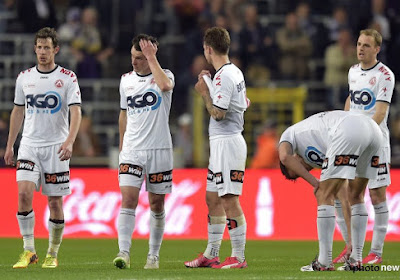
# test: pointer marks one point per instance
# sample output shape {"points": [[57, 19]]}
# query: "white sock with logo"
{"points": [[125, 226], [359, 221], [26, 225], [341, 221], [380, 227], [157, 225], [56, 230], [216, 228], [237, 231], [326, 228]]}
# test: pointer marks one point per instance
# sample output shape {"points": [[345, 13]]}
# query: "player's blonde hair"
{"points": [[374, 34]]}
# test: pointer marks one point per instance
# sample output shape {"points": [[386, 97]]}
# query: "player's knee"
{"points": [[157, 206], [129, 202], [377, 196], [55, 204], [25, 197]]}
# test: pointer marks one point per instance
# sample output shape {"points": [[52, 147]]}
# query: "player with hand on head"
{"points": [[44, 97], [226, 103], [145, 146], [346, 145]]}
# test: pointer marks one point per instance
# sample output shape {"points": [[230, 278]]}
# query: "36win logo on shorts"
{"points": [[146, 102], [347, 160], [130, 169], [57, 178], [25, 165]]}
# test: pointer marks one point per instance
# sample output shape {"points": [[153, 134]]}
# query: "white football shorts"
{"points": [[353, 150], [227, 164], [154, 165], [383, 178], [42, 166]]}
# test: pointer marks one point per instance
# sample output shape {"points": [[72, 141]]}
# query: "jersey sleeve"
{"points": [[386, 87], [170, 76], [123, 101], [288, 136], [19, 98], [74, 93], [223, 90]]}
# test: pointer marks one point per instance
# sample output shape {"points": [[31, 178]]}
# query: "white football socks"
{"points": [[216, 228], [359, 221], [380, 227], [341, 221], [125, 226], [326, 227], [237, 231], [26, 226], [157, 225], [56, 231]]}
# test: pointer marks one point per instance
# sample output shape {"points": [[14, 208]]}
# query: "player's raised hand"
{"points": [[65, 151], [148, 48], [204, 72], [9, 157], [201, 86]]}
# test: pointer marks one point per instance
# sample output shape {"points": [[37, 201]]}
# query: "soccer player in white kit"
{"points": [[345, 146], [371, 86], [44, 95], [145, 146], [226, 103]]}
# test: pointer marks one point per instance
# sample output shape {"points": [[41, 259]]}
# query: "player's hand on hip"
{"points": [[65, 151], [9, 157], [148, 48]]}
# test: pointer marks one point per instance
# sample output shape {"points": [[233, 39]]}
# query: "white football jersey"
{"points": [[229, 94], [46, 97], [366, 87], [147, 112], [310, 137]]}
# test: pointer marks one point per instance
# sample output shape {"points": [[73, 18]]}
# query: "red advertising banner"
{"points": [[275, 209]]}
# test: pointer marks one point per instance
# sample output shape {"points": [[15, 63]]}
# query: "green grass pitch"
{"points": [[92, 259]]}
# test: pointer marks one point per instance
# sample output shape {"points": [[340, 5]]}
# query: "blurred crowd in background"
{"points": [[274, 42]]}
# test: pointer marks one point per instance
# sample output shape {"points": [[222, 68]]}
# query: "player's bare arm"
{"points": [[149, 50], [202, 89], [16, 120], [288, 158], [381, 110], [65, 151], [347, 104], [122, 127]]}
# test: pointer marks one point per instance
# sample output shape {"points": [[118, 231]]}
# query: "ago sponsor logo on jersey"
{"points": [[47, 103], [362, 99], [146, 102], [314, 156]]}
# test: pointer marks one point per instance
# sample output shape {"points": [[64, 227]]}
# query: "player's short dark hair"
{"points": [[136, 40], [45, 33], [218, 38], [285, 172], [374, 34]]}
